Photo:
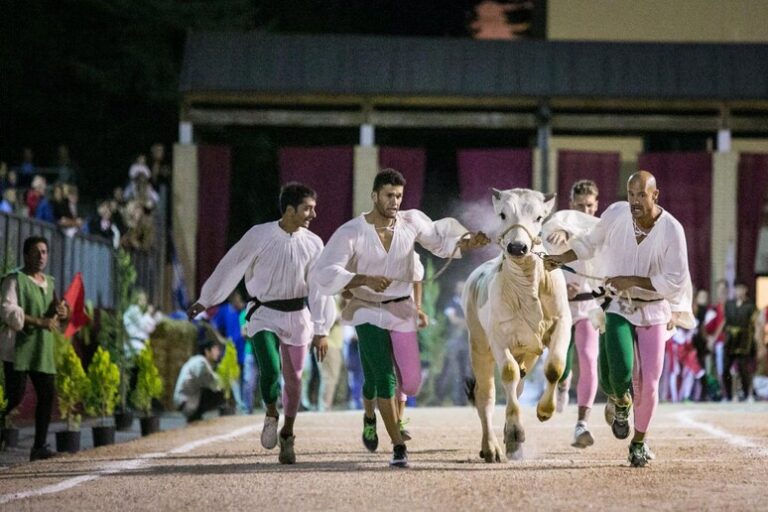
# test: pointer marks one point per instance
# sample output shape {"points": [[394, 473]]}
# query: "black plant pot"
{"points": [[10, 437], [103, 436], [227, 410], [68, 441], [149, 425], [124, 420]]}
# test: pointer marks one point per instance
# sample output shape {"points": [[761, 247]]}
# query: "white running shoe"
{"points": [[582, 437], [269, 432], [648, 453]]}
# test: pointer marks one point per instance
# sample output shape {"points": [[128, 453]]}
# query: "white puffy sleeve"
{"points": [[322, 307], [330, 274], [11, 313], [588, 244], [231, 268], [438, 237], [674, 280]]}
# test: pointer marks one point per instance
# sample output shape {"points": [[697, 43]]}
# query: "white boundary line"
{"points": [[684, 417], [119, 467]]}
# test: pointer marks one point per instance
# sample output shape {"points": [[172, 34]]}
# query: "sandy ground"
{"points": [[709, 457]]}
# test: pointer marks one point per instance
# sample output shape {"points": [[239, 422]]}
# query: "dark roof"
{"points": [[376, 65]]}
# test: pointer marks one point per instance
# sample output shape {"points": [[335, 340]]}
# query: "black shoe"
{"points": [[399, 456], [370, 437], [620, 425], [638, 455], [41, 453]]}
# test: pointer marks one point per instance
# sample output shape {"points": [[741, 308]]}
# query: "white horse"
{"points": [[514, 308]]}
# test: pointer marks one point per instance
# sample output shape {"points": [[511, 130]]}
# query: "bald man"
{"points": [[646, 269]]}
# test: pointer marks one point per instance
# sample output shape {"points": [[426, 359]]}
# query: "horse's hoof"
{"points": [[492, 455], [515, 451], [513, 433], [544, 413]]}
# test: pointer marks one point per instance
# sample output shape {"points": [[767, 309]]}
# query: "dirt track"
{"points": [[709, 457]]}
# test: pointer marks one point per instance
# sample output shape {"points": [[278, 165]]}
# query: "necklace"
{"points": [[638, 230]]}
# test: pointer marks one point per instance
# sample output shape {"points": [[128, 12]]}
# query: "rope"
{"points": [[443, 268]]}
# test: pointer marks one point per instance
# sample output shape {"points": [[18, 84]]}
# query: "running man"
{"points": [[276, 258], [646, 259], [558, 230], [372, 256]]}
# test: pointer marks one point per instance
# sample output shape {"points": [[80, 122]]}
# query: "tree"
{"points": [[71, 384], [228, 369], [149, 385], [103, 384]]}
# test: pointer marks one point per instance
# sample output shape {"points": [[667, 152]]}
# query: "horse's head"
{"points": [[521, 212]]}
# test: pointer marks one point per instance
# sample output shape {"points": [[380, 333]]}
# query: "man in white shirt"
{"points": [[275, 259], [558, 230], [198, 389], [372, 256], [646, 264]]}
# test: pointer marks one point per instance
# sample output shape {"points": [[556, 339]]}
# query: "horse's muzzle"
{"points": [[517, 249]]}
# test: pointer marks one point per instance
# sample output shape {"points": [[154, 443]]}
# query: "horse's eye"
{"points": [[538, 219], [503, 216]]}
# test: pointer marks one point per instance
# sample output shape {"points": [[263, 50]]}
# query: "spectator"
{"points": [[714, 328], [65, 169], [12, 180], [47, 208], [35, 194], [3, 176], [456, 365], [140, 320], [161, 172], [27, 167], [67, 216], [739, 342], [198, 389], [140, 189], [30, 314], [227, 322], [140, 230], [102, 226], [9, 203], [331, 366], [354, 367]]}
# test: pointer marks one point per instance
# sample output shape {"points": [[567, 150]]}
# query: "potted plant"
{"points": [[71, 385], [113, 338], [149, 385], [229, 372], [9, 437], [103, 383]]}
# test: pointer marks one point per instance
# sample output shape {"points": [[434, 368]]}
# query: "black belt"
{"points": [[581, 297], [399, 299], [285, 305]]}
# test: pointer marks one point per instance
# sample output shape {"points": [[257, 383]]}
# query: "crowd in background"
{"points": [[50, 194], [725, 356]]}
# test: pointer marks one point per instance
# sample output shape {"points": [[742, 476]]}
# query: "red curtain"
{"points": [[685, 184], [411, 162], [752, 190], [482, 169], [328, 170], [214, 170], [599, 166]]}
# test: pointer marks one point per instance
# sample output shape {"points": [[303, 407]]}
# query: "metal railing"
{"points": [[94, 257]]}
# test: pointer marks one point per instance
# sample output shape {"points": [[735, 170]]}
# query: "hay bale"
{"points": [[174, 341]]}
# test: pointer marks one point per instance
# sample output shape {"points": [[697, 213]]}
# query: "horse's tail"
{"points": [[469, 389]]}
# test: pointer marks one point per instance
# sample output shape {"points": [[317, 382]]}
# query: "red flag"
{"points": [[75, 297]]}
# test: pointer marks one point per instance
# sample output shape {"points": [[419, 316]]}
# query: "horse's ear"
{"points": [[496, 193], [549, 202]]}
